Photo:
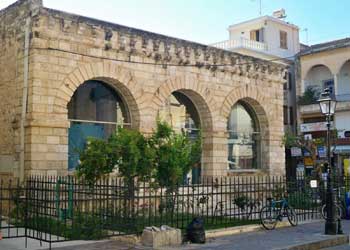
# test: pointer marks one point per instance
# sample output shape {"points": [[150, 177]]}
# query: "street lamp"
{"points": [[327, 106]]}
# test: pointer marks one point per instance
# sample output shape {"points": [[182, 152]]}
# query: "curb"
{"points": [[320, 244], [247, 229]]}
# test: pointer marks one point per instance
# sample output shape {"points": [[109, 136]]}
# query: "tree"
{"points": [[310, 96], [176, 154], [95, 161], [127, 151]]}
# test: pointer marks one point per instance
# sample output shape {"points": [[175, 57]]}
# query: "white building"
{"points": [[270, 38], [257, 37]]}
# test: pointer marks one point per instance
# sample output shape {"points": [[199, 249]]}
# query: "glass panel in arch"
{"points": [[95, 110], [243, 141], [181, 114]]}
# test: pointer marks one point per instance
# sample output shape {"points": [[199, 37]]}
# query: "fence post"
{"points": [[26, 185]]}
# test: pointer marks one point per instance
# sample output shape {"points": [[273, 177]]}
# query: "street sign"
{"points": [[313, 183], [295, 151], [321, 151], [308, 161], [311, 127]]}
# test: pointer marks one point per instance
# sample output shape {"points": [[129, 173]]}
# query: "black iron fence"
{"points": [[54, 209]]}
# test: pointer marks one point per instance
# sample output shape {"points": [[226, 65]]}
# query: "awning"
{"points": [[341, 149]]}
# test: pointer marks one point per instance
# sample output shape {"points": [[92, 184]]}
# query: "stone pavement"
{"points": [[262, 240]]}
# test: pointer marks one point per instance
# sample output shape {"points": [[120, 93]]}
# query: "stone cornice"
{"points": [[154, 47]]}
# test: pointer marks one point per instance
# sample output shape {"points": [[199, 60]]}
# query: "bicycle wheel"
{"points": [[323, 211], [338, 212], [292, 216], [268, 217]]}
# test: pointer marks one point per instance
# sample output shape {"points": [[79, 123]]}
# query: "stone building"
{"points": [[271, 38], [64, 77]]}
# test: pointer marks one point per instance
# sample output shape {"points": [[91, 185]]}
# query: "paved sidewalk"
{"points": [[267, 240], [262, 240]]}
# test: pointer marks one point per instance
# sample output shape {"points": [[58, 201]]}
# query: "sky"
{"points": [[206, 21]]}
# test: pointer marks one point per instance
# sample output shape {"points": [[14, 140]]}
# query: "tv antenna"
{"points": [[260, 6]]}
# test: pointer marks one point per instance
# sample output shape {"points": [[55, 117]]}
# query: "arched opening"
{"points": [[244, 144], [344, 82], [318, 78], [180, 112], [95, 110]]}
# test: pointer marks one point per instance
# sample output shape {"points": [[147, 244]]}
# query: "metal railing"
{"points": [[343, 97], [241, 43], [55, 209]]}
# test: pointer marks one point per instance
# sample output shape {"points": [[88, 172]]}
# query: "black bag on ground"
{"points": [[195, 231]]}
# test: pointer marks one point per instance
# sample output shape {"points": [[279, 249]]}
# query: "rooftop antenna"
{"points": [[260, 6], [306, 35]]}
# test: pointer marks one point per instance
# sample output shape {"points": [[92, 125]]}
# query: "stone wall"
{"points": [[12, 32], [67, 50]]}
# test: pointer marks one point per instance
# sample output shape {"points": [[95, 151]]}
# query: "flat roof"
{"points": [[261, 19]]}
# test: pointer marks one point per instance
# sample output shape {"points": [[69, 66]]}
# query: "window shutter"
{"points": [[252, 35], [261, 35]]}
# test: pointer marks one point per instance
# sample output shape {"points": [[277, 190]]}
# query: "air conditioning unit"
{"points": [[279, 14], [344, 134]]}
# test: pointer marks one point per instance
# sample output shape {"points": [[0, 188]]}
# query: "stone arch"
{"points": [[316, 76], [341, 64], [343, 81], [252, 97], [116, 76], [307, 69], [200, 95], [202, 98]]}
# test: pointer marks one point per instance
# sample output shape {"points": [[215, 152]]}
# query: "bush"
{"points": [[302, 200]]}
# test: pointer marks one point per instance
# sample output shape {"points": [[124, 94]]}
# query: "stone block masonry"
{"points": [[67, 50]]}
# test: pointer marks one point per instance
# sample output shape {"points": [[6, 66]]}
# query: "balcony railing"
{"points": [[241, 43], [343, 97]]}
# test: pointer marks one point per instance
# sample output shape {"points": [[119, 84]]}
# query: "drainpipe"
{"points": [[24, 97]]}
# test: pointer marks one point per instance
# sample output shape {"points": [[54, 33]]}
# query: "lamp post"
{"points": [[327, 106]]}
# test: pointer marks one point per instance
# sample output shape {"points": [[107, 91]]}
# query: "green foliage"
{"points": [[289, 140], [302, 200], [244, 203], [166, 157], [176, 154], [310, 96], [95, 161], [128, 151], [132, 154]]}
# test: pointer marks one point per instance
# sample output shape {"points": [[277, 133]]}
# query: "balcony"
{"points": [[343, 98], [241, 43], [343, 104]]}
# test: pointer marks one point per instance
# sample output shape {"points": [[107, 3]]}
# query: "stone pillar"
{"points": [[214, 156], [47, 146], [335, 79], [276, 154]]}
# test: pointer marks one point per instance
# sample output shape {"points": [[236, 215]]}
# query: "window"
{"points": [[257, 35], [330, 85], [283, 40], [291, 116], [285, 115], [286, 83], [180, 112], [290, 80], [243, 141], [95, 110]]}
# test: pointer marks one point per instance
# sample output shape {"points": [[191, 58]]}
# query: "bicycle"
{"points": [[275, 211], [339, 207]]}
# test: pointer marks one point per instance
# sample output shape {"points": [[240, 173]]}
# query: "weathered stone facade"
{"points": [[66, 50]]}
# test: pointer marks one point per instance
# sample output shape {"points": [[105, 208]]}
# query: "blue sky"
{"points": [[206, 21]]}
